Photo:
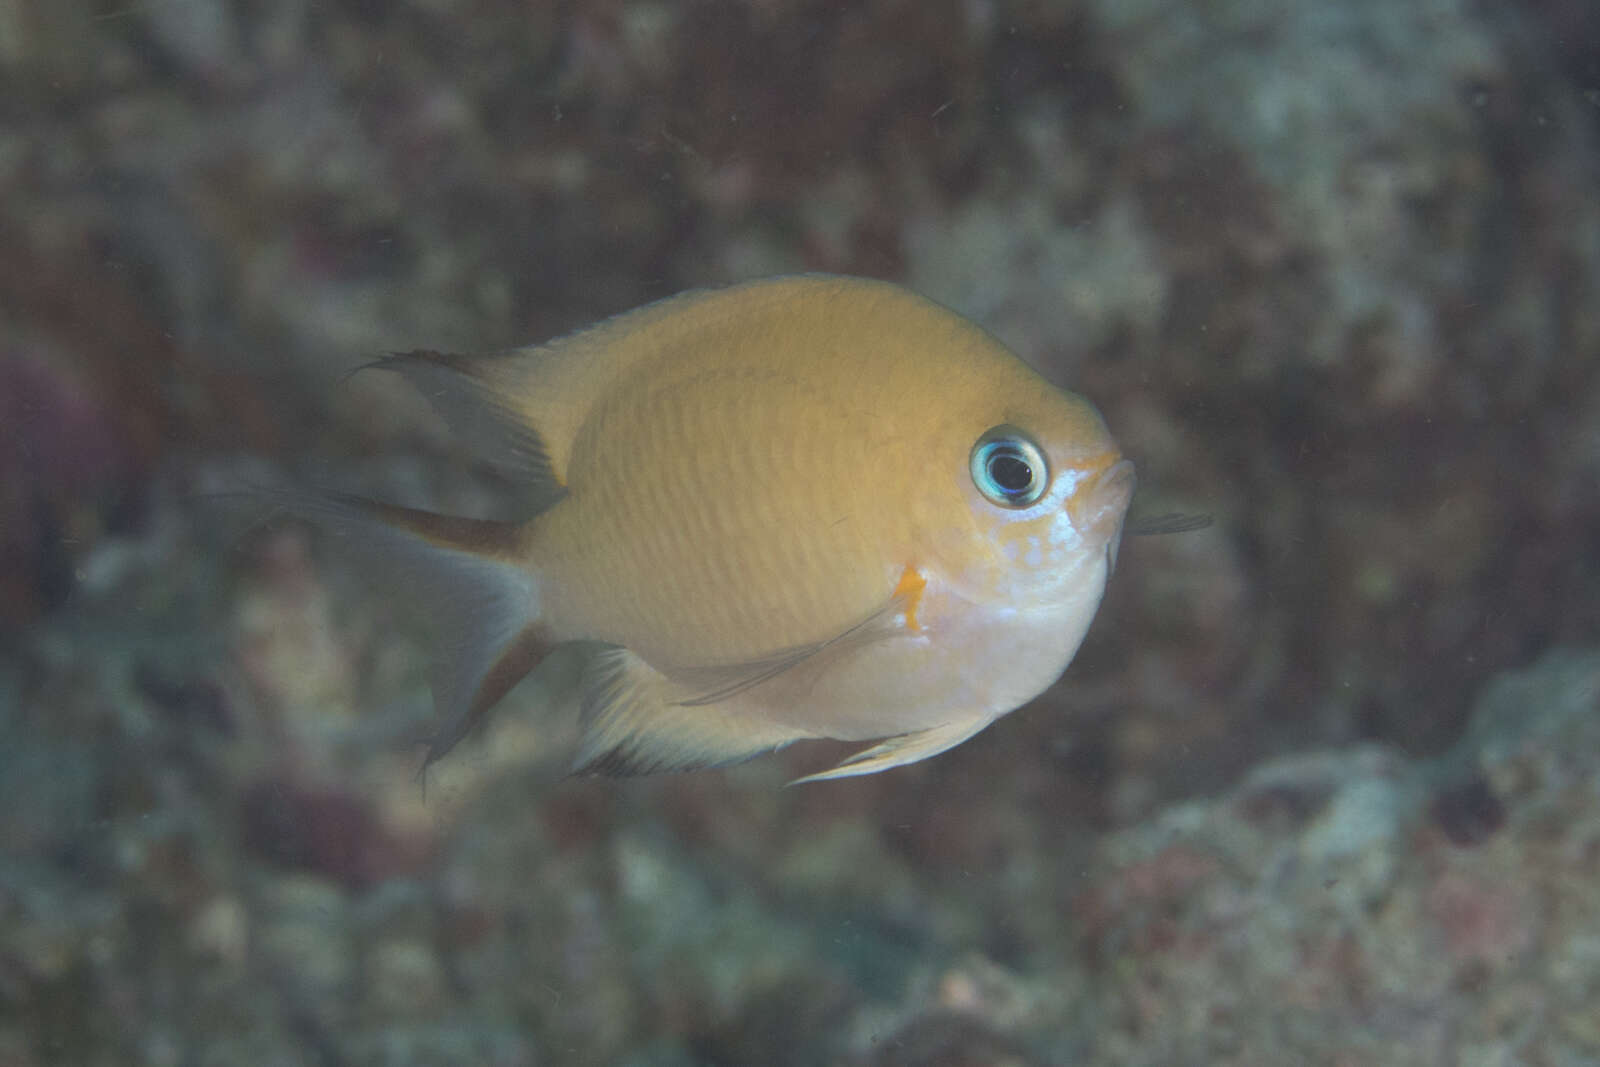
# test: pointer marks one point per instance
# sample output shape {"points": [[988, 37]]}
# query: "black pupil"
{"points": [[1010, 472]]}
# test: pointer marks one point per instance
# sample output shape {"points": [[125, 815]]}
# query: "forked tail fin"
{"points": [[464, 575]]}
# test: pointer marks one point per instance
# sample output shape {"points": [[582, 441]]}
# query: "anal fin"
{"points": [[898, 751], [632, 725]]}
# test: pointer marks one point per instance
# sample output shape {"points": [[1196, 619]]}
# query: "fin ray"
{"points": [[470, 394], [462, 575], [631, 725], [713, 685], [900, 750], [1171, 523]]}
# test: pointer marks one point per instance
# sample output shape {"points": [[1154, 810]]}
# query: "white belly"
{"points": [[969, 662]]}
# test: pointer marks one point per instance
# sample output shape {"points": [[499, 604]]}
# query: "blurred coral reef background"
{"points": [[1323, 786]]}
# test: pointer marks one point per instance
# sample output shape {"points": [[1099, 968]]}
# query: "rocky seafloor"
{"points": [[1322, 787]]}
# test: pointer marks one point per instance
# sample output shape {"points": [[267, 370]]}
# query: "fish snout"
{"points": [[1099, 502]]}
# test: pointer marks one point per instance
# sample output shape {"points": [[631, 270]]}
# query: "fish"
{"points": [[803, 507]]}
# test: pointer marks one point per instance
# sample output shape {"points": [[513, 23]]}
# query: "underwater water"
{"points": [[1322, 785]]}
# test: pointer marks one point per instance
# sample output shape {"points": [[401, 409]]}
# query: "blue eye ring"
{"points": [[1008, 468]]}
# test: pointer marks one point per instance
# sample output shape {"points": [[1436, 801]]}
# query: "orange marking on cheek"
{"points": [[1097, 464], [910, 587]]}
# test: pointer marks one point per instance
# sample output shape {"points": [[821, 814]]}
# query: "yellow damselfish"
{"points": [[805, 507]]}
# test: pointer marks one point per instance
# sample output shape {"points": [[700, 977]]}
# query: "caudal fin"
{"points": [[464, 575]]}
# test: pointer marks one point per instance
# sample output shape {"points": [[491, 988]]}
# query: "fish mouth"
{"points": [[1100, 500]]}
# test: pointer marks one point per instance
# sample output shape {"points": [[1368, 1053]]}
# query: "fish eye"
{"points": [[1008, 468]]}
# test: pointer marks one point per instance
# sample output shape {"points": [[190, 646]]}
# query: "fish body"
{"points": [[796, 508]]}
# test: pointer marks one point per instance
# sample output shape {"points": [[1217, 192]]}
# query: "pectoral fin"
{"points": [[638, 720], [898, 751], [1172, 523], [896, 618]]}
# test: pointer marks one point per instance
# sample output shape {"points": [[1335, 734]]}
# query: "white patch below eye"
{"points": [[1062, 534], [1067, 482]]}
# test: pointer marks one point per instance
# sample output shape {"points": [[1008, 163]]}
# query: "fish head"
{"points": [[1045, 491]]}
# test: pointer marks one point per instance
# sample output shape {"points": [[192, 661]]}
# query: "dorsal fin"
{"points": [[472, 395]]}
